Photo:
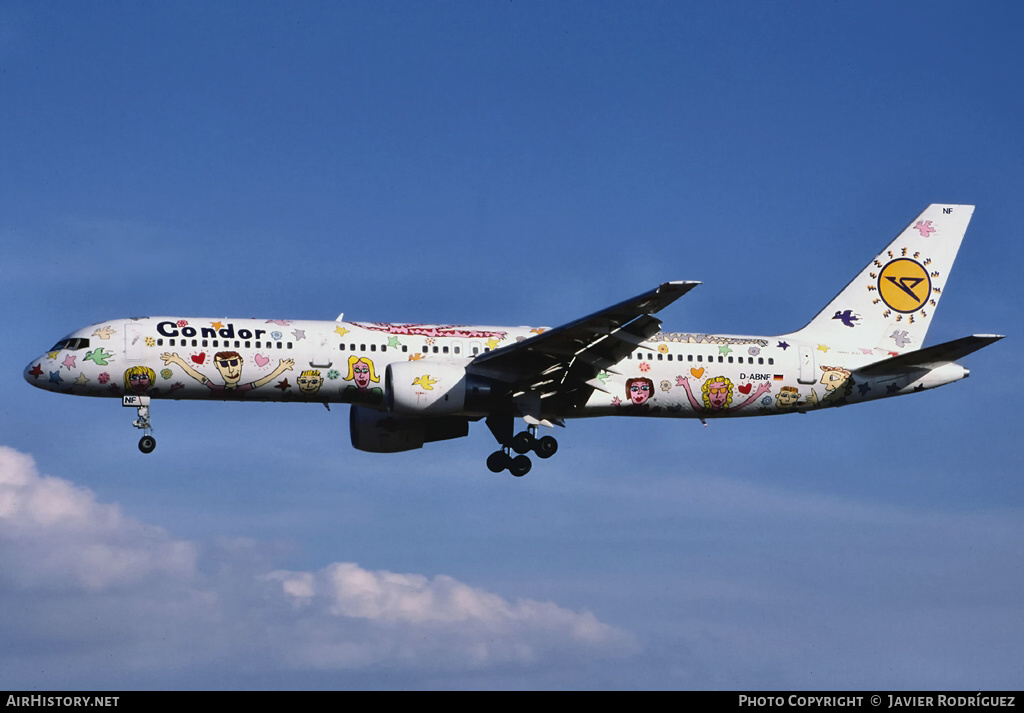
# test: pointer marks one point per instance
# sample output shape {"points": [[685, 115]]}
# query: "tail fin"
{"points": [[890, 304]]}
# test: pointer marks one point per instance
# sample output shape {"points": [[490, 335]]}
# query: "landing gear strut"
{"points": [[147, 443], [522, 443]]}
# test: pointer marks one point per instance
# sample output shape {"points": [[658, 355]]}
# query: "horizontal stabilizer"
{"points": [[931, 357]]}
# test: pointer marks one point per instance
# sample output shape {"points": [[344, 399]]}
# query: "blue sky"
{"points": [[505, 163]]}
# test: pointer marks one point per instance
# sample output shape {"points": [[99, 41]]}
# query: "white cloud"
{"points": [[90, 592]]}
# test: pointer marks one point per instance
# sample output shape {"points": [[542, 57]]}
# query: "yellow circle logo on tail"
{"points": [[904, 285]]}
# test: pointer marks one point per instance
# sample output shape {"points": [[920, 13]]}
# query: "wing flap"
{"points": [[564, 359]]}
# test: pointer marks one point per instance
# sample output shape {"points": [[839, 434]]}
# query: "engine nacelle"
{"points": [[379, 432], [431, 388]]}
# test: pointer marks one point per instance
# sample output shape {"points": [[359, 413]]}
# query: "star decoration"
{"points": [[82, 379], [299, 334], [892, 388], [341, 331], [393, 342], [104, 332], [36, 372], [864, 388], [538, 330], [822, 348], [55, 377], [217, 325], [69, 362], [783, 346], [53, 354], [416, 356], [425, 381], [283, 385], [279, 322], [492, 343], [724, 349]]}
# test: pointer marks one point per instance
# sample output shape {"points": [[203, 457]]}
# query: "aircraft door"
{"points": [[133, 341], [807, 374]]}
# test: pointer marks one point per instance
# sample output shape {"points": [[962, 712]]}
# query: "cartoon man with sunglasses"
{"points": [[229, 364]]}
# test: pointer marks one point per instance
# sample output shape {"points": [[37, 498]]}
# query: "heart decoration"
{"points": [[697, 373], [261, 360], [199, 358], [745, 388]]}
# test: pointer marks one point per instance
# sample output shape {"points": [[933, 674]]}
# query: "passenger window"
{"points": [[373, 347], [760, 360], [730, 359], [770, 361], [700, 357], [404, 348]]}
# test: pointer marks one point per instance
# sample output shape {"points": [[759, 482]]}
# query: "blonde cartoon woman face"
{"points": [[139, 379], [361, 371], [717, 392]]}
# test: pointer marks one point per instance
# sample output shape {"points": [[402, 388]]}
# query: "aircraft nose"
{"points": [[34, 372]]}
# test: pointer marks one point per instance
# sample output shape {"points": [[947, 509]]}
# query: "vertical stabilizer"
{"points": [[891, 303]]}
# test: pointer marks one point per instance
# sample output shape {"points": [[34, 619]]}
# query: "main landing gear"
{"points": [[147, 443], [522, 443]]}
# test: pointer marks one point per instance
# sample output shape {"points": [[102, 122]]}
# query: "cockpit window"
{"points": [[72, 344]]}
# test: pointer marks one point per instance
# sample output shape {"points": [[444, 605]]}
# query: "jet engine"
{"points": [[431, 388], [380, 432]]}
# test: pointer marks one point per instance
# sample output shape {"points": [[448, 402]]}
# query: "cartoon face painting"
{"points": [[138, 379], [639, 389], [834, 377], [229, 364], [787, 397], [309, 382], [717, 392], [360, 370]]}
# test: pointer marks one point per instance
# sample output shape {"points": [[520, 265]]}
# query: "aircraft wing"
{"points": [[931, 357], [563, 363]]}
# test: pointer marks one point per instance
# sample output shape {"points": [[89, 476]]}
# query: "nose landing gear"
{"points": [[147, 443]]}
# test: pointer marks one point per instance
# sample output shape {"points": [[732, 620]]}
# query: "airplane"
{"points": [[411, 384]]}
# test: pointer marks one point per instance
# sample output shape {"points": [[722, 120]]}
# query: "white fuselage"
{"points": [[671, 374]]}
